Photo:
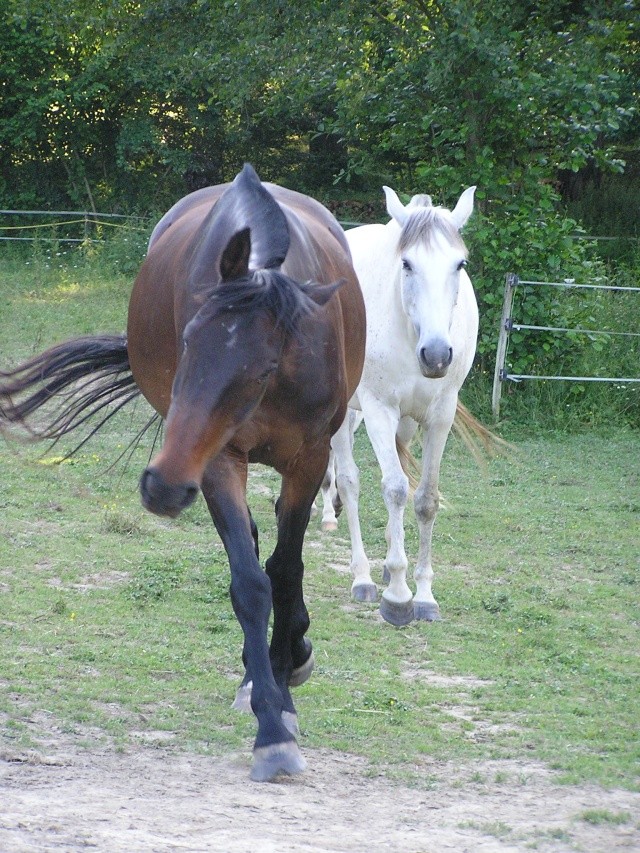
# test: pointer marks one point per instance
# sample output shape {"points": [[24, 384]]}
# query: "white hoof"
{"points": [[242, 702]]}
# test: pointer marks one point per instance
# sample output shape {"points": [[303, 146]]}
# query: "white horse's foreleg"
{"points": [[348, 480], [329, 494], [396, 606], [426, 502]]}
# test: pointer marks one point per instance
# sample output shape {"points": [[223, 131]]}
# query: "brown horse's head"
{"points": [[232, 349]]}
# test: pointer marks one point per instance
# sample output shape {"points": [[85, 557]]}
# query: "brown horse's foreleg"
{"points": [[275, 749], [291, 651]]}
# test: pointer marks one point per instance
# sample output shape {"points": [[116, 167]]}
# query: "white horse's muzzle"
{"points": [[434, 359]]}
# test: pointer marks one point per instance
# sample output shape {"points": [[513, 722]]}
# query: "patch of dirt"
{"points": [[437, 680], [99, 580], [155, 800]]}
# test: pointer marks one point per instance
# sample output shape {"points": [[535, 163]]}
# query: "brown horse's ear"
{"points": [[234, 262], [322, 293]]}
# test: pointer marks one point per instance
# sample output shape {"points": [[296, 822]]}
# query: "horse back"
{"points": [[320, 254], [165, 293]]}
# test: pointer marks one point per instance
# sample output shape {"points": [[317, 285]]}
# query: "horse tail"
{"points": [[71, 382], [409, 464], [478, 438]]}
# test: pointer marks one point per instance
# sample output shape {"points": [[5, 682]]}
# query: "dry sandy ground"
{"points": [[66, 798]]}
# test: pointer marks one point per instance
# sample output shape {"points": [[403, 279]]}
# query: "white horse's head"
{"points": [[433, 257]]}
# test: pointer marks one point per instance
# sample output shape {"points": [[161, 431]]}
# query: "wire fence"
{"points": [[76, 226], [82, 227], [508, 325], [68, 226], [90, 221]]}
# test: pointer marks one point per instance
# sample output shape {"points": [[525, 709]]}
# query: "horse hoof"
{"points": [[290, 722], [426, 611], [269, 761], [365, 592], [329, 526], [242, 702], [397, 614], [301, 673]]}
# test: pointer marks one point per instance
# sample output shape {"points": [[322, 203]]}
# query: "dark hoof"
{"points": [[269, 761], [396, 614], [301, 673], [426, 611], [386, 576], [364, 592], [242, 702]]}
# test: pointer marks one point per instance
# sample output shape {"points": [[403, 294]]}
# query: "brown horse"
{"points": [[246, 334]]}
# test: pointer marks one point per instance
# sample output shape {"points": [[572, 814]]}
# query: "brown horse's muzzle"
{"points": [[164, 498]]}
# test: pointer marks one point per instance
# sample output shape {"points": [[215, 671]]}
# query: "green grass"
{"points": [[117, 624], [598, 817]]}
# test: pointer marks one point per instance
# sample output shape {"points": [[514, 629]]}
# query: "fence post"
{"points": [[511, 282]]}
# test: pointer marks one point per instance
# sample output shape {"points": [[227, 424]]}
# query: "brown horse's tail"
{"points": [[478, 439], [68, 384]]}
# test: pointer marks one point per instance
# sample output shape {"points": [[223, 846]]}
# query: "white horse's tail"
{"points": [[409, 464], [477, 438]]}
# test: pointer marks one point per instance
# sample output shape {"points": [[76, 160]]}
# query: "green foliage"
{"points": [[536, 243], [128, 106]]}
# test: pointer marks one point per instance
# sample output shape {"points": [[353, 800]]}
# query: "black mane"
{"points": [[269, 290]]}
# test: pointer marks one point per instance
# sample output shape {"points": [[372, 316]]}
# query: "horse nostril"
{"points": [[435, 359], [144, 482], [190, 494]]}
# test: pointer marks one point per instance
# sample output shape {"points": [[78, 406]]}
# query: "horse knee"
{"points": [[395, 491], [251, 597], [426, 506], [347, 483]]}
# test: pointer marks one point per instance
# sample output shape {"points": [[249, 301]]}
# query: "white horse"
{"points": [[422, 328]]}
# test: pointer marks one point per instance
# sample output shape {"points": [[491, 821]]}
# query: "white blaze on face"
{"points": [[430, 284]]}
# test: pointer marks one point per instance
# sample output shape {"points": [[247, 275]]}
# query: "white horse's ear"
{"points": [[395, 208], [464, 208]]}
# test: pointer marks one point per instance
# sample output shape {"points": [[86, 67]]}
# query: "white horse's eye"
{"points": [[406, 265], [462, 265]]}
